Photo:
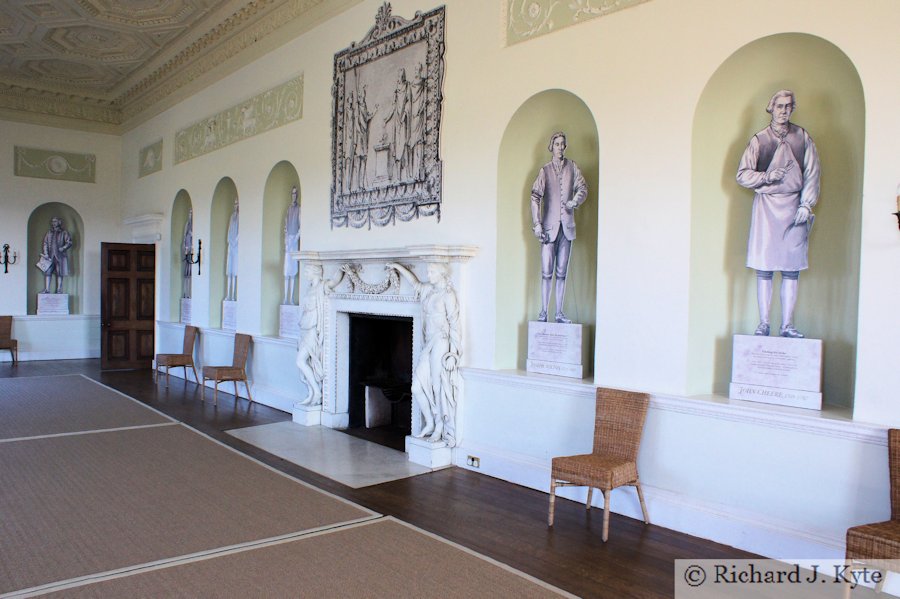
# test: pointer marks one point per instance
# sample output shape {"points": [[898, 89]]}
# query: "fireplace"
{"points": [[365, 296], [380, 378]]}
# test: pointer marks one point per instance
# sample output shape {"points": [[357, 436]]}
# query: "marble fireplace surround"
{"points": [[370, 290]]}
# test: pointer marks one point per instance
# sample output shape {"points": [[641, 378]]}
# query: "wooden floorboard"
{"points": [[502, 520]]}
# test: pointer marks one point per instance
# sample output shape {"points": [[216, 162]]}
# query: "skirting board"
{"points": [[750, 531], [262, 394], [67, 354]]}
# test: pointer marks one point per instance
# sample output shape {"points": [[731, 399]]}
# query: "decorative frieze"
{"points": [[53, 164], [265, 111], [527, 19]]}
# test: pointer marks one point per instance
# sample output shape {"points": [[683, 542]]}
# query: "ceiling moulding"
{"points": [[222, 52], [256, 28], [56, 110]]}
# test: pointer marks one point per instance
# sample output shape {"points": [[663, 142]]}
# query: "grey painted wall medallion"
{"points": [[386, 117], [52, 164], [150, 159]]}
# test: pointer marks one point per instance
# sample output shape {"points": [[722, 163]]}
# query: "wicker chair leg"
{"points": [[167, 377], [643, 504], [552, 501], [606, 494], [196, 378], [203, 389], [236, 396], [216, 392], [587, 505], [247, 386]]}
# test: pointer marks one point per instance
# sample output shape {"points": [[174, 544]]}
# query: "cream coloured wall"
{"points": [[641, 73], [643, 98], [97, 203]]}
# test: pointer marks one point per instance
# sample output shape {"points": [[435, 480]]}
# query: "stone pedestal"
{"points": [[307, 415], [559, 349], [185, 310], [289, 321], [427, 453], [52, 303], [777, 370], [229, 315]]}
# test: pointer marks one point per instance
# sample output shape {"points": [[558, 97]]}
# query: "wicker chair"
{"points": [[874, 544], [6, 340], [236, 372], [184, 359], [618, 426]]}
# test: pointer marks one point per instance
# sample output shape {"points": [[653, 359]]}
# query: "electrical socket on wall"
{"points": [[473, 461]]}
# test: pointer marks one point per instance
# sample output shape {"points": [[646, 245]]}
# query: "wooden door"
{"points": [[127, 305]]}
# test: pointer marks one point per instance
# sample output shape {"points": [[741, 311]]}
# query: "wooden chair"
{"points": [[184, 359], [618, 427], [872, 545], [6, 340], [236, 372]]}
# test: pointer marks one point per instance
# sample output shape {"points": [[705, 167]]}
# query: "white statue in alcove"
{"points": [[437, 385], [231, 258], [291, 237]]}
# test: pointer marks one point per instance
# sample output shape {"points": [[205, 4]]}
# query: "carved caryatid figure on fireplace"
{"points": [[310, 345], [436, 384]]}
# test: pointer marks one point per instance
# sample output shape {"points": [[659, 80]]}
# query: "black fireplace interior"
{"points": [[381, 357]]}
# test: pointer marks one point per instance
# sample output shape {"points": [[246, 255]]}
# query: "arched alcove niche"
{"points": [[831, 107], [276, 199], [220, 214], [38, 225], [180, 208], [523, 151]]}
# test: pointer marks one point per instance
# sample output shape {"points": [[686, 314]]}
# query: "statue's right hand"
{"points": [[775, 175], [538, 231]]}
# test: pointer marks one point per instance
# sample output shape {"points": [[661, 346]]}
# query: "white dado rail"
{"points": [[426, 288]]}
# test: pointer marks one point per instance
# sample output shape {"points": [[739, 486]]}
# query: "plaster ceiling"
{"points": [[102, 64]]}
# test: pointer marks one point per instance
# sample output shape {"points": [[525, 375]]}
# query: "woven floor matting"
{"points": [[82, 504], [51, 405], [382, 558]]}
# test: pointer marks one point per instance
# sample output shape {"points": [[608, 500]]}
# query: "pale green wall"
{"points": [[831, 107], [180, 207], [220, 213], [523, 152], [38, 225], [276, 199]]}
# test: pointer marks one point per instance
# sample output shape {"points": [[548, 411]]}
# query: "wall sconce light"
{"points": [[897, 214], [189, 258], [5, 260]]}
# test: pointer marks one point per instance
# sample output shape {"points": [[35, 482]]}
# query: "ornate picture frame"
{"points": [[386, 120]]}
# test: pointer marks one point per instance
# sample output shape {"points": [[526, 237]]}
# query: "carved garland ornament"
{"points": [[386, 117], [357, 285]]}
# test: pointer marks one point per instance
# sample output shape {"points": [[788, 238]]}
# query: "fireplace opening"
{"points": [[380, 371]]}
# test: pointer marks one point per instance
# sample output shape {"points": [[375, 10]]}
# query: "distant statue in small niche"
{"points": [[187, 252], [310, 344], [557, 191], [291, 237], [231, 257], [781, 166], [54, 259], [437, 384]]}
